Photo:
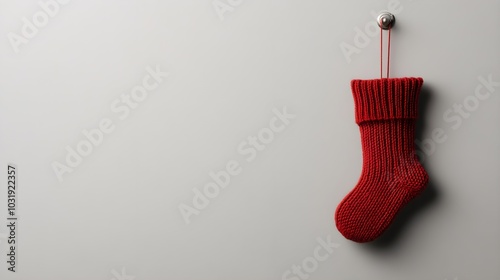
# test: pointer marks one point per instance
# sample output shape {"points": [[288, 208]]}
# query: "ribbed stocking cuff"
{"points": [[386, 99]]}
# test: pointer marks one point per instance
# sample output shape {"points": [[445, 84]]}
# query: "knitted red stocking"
{"points": [[386, 111]]}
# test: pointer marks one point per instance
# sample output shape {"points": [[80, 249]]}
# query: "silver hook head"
{"points": [[386, 20]]}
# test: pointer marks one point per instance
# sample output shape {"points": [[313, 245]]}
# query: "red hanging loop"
{"points": [[385, 20], [388, 53]]}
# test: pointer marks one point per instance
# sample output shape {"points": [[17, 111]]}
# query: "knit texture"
{"points": [[386, 112]]}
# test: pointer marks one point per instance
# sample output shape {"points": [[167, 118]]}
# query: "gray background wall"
{"points": [[115, 213]]}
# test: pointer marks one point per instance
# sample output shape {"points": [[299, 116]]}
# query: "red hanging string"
{"points": [[388, 52]]}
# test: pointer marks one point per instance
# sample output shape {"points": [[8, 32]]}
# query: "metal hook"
{"points": [[386, 20]]}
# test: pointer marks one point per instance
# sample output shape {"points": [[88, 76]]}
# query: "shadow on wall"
{"points": [[429, 196]]}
